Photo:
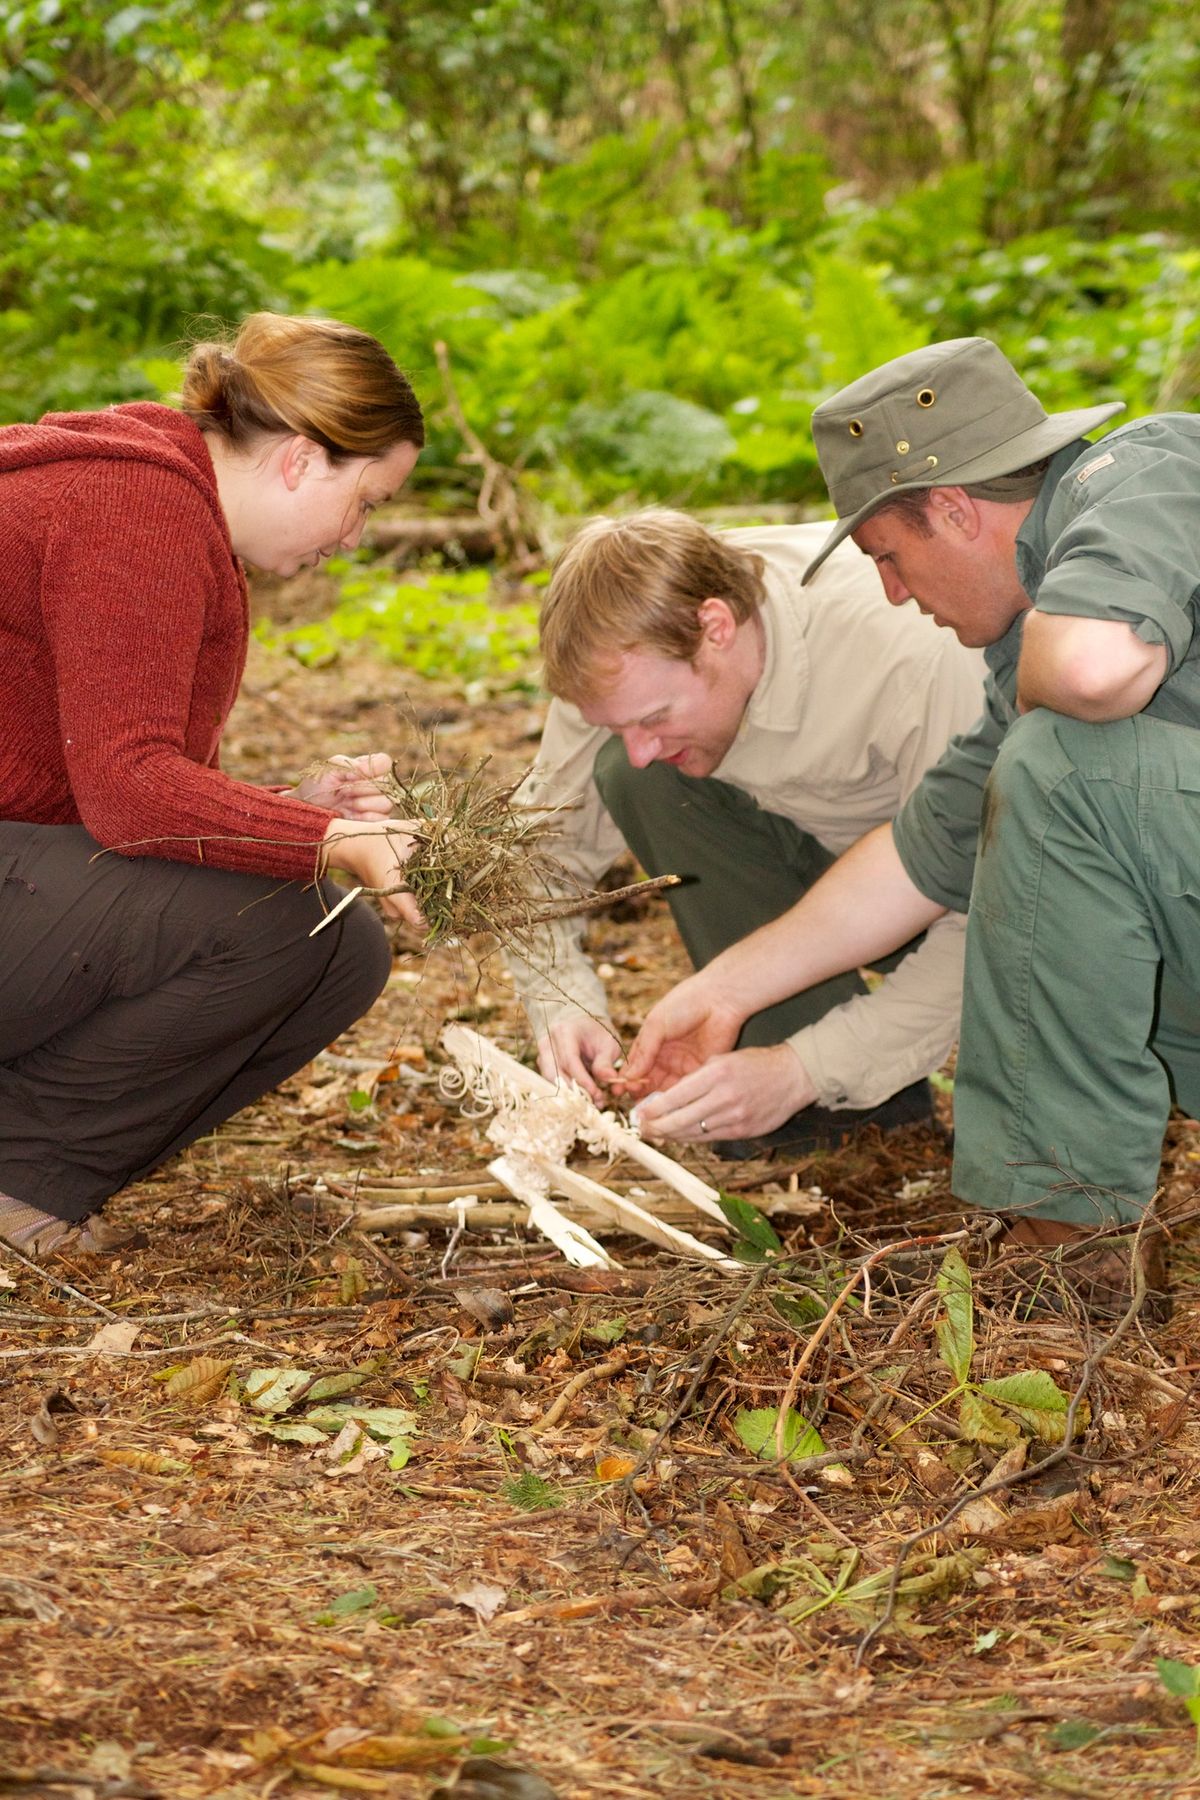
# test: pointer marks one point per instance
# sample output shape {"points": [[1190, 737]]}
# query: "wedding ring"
{"points": [[704, 1125]]}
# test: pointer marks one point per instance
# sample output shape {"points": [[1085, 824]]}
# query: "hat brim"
{"points": [[1053, 433]]}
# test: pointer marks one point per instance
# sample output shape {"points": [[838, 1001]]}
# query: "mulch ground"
{"points": [[559, 1569]]}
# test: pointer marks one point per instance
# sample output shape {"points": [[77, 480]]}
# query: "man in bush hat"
{"points": [[1066, 818], [740, 730]]}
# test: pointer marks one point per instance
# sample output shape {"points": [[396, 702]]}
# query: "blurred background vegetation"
{"points": [[650, 233]]}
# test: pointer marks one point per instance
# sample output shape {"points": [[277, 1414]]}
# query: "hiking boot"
{"points": [[820, 1128], [1094, 1269]]}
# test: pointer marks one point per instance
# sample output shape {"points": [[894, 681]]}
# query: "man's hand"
{"points": [[373, 852], [348, 786], [738, 1095], [680, 1033], [582, 1049]]}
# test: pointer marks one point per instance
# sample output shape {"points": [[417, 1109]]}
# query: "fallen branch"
{"points": [[687, 1594], [576, 1385]]}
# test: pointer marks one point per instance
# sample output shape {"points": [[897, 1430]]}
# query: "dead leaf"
{"points": [[116, 1339], [201, 1381], [483, 1598], [42, 1428], [27, 1597], [485, 1778], [397, 1750], [144, 1462], [490, 1306], [454, 1394], [196, 1540], [351, 1450], [614, 1468]]}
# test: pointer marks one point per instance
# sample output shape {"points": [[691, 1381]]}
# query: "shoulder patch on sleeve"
{"points": [[1097, 462]]}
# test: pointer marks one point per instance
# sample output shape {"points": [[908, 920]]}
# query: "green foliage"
{"points": [[758, 1429], [531, 1493], [995, 1411], [445, 627], [757, 1239], [1183, 1681], [652, 238]]}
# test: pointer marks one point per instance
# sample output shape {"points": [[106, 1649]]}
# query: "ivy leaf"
{"points": [[955, 1330]]}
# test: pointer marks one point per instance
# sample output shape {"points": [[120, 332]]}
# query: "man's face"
{"points": [[666, 710], [966, 581]]}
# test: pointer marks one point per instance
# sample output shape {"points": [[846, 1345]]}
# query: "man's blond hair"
{"points": [[637, 584]]}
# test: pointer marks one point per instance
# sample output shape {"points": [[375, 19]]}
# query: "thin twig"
{"points": [[576, 1385], [63, 1287]]}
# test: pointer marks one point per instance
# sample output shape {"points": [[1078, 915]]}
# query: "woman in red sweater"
{"points": [[157, 971]]}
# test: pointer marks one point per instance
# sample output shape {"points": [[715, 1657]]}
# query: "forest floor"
{"points": [[564, 1573]]}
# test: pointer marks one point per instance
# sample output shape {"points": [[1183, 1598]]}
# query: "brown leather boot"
{"points": [[1058, 1263]]}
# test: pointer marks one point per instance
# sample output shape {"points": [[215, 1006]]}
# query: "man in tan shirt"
{"points": [[734, 728]]}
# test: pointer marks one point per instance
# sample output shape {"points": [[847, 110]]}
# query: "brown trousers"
{"points": [[143, 1002]]}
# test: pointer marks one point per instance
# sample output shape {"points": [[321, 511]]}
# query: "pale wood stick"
{"points": [[470, 1050], [629, 1216]]}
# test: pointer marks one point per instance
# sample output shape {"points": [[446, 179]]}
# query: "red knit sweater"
{"points": [[123, 633]]}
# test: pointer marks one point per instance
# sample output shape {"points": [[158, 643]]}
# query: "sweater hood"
{"points": [[138, 432]]}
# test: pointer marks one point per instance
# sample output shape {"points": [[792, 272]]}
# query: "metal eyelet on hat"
{"points": [[895, 476], [856, 428], [904, 446], [926, 397], [932, 461]]}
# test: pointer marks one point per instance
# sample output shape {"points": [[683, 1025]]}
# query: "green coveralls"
{"points": [[1078, 846]]}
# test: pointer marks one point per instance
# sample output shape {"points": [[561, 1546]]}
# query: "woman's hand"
{"points": [[373, 852], [348, 786]]}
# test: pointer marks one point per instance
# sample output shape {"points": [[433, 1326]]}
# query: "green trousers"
{"points": [[742, 867], [1081, 1009]]}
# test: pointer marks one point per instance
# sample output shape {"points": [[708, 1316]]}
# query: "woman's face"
{"points": [[306, 508]]}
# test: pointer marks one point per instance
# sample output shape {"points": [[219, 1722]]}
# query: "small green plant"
{"points": [[1182, 1680], [530, 1493], [995, 1411]]}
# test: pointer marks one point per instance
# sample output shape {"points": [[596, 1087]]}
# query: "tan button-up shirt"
{"points": [[856, 700]]}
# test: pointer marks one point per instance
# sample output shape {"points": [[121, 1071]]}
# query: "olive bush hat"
{"points": [[950, 414]]}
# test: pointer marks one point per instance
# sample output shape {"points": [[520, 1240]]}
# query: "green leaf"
{"points": [[328, 1387], [750, 1222], [984, 1423], [955, 1332], [359, 1100], [1180, 1679], [383, 1422], [400, 1451], [291, 1431], [1037, 1401], [607, 1331], [1118, 1568], [356, 1600], [798, 1310], [756, 1428], [274, 1390]]}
